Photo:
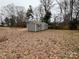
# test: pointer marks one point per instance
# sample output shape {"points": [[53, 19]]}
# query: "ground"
{"points": [[18, 43]]}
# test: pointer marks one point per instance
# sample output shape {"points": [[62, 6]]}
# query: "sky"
{"points": [[24, 3]]}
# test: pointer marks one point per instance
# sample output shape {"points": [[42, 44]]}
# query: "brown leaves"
{"points": [[3, 39]]}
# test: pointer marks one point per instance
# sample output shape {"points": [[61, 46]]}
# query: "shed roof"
{"points": [[36, 22]]}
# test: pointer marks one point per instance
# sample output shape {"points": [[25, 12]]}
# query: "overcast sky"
{"points": [[24, 3]]}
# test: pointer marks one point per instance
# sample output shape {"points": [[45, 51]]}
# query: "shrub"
{"points": [[73, 24], [47, 17]]}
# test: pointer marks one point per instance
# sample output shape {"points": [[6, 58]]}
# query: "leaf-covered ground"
{"points": [[18, 43]]}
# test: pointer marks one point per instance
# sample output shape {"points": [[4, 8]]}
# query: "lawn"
{"points": [[18, 43]]}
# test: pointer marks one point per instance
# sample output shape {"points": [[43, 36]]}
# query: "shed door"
{"points": [[39, 26]]}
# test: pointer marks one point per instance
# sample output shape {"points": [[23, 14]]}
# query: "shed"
{"points": [[36, 26]]}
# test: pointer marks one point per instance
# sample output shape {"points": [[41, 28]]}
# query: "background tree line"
{"points": [[69, 10], [15, 15]]}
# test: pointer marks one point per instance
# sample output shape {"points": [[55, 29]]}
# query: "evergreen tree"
{"points": [[29, 12]]}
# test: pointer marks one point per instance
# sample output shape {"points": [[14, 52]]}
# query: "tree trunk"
{"points": [[71, 10]]}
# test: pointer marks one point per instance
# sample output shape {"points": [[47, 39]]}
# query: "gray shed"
{"points": [[36, 26]]}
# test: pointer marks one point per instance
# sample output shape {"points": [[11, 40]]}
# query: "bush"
{"points": [[22, 24], [73, 24], [47, 17]]}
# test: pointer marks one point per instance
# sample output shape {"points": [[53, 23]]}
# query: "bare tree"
{"points": [[47, 4], [73, 22], [21, 16], [71, 9], [39, 12], [14, 13], [9, 9], [64, 6], [76, 8]]}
